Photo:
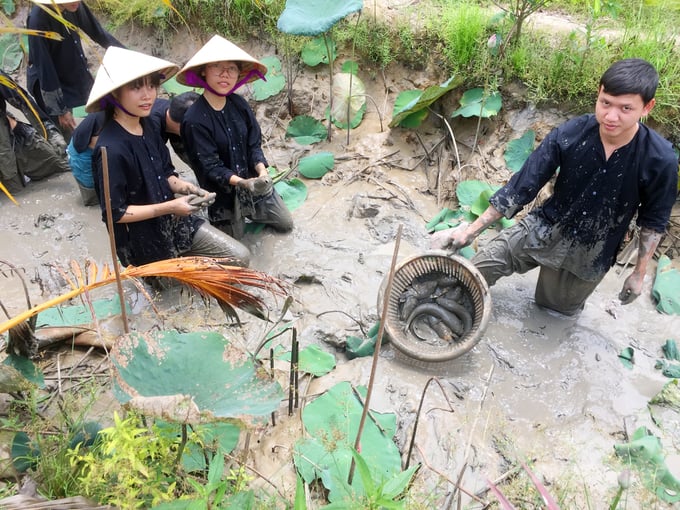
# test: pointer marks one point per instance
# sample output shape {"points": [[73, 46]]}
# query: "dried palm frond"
{"points": [[210, 277], [11, 84], [9, 195], [30, 31]]}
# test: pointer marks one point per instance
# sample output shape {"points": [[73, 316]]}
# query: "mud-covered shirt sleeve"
{"points": [[658, 181], [537, 170]]}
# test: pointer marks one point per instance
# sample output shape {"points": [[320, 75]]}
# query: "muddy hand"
{"points": [[263, 185], [182, 206], [632, 288], [248, 184], [452, 239]]}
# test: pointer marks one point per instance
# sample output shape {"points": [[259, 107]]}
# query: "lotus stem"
{"points": [[376, 351]]}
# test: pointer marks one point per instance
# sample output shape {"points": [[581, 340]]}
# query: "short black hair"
{"points": [[631, 76], [180, 103]]}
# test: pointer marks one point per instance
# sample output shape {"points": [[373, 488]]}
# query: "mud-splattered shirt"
{"points": [[220, 144], [581, 226], [139, 168]]}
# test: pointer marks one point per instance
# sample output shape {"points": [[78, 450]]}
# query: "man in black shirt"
{"points": [[58, 75], [608, 167]]}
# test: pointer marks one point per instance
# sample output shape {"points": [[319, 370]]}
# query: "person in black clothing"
{"points": [[224, 140], [152, 208], [79, 151], [608, 167], [28, 151], [167, 115], [58, 75]]}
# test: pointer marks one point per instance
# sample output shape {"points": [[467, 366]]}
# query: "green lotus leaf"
{"points": [[302, 17], [446, 218], [274, 81], [332, 423], [349, 99], [475, 104], [174, 88], [24, 452], [480, 205], [193, 377], [76, 315], [412, 103], [79, 112], [19, 374], [356, 120], [518, 150], [313, 360], [306, 130], [293, 192], [12, 54], [350, 66], [9, 7], [317, 165], [315, 52], [468, 191]]}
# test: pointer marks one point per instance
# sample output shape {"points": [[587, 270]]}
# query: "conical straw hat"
{"points": [[120, 66], [218, 49], [53, 1]]}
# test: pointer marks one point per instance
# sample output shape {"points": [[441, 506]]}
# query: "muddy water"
{"points": [[537, 386]]}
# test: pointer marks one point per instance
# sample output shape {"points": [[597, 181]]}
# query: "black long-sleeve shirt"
{"points": [[139, 168], [58, 72], [582, 225], [220, 144]]}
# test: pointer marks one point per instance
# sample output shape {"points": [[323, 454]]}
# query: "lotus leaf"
{"points": [[313, 360], [173, 87], [518, 150], [644, 452], [273, 82], [412, 103], [24, 452], [349, 98], [316, 165], [475, 104], [315, 52], [79, 314], [302, 17], [332, 422], [12, 54], [19, 374], [9, 7], [306, 130], [350, 66], [666, 289], [446, 218], [198, 373], [468, 191], [293, 192], [79, 112]]}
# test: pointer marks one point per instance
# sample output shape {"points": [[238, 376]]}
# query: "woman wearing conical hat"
{"points": [[150, 224], [224, 142]]}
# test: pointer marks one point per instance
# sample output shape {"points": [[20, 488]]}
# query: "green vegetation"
{"points": [[558, 66]]}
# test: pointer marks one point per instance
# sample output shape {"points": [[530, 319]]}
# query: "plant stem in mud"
{"points": [[271, 369], [376, 351], [112, 239], [420, 407]]}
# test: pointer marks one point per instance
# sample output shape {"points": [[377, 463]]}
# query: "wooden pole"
{"points": [[376, 352], [112, 239]]}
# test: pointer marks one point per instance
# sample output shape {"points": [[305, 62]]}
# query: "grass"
{"points": [[556, 66]]}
